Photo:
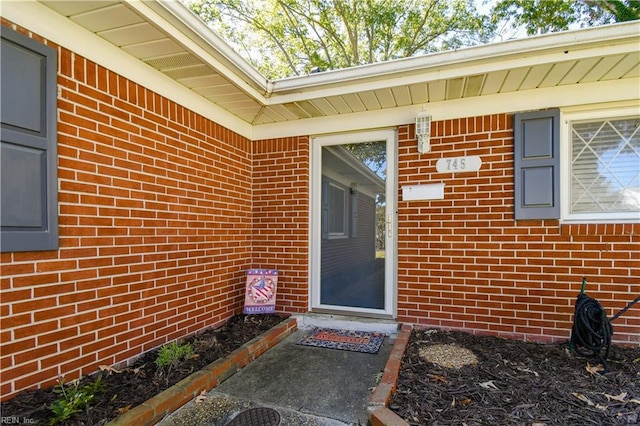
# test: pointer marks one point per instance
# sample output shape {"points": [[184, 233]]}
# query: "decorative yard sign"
{"points": [[260, 294], [470, 163]]}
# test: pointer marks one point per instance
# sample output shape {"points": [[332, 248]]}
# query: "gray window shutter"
{"points": [[353, 224], [537, 165], [325, 209], [28, 154]]}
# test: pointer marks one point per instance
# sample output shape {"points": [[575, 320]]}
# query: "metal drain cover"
{"points": [[260, 416]]}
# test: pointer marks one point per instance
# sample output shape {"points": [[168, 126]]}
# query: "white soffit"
{"points": [[623, 90], [168, 37], [52, 24]]}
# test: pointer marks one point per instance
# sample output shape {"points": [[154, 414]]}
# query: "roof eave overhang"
{"points": [[200, 39], [548, 48], [282, 102], [195, 35]]}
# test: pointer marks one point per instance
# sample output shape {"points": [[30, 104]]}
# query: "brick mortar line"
{"points": [[155, 409], [379, 414]]}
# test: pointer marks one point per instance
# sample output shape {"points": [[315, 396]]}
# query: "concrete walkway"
{"points": [[306, 385]]}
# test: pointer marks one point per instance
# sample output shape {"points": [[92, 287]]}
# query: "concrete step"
{"points": [[353, 323]]}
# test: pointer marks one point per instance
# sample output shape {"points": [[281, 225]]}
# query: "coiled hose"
{"points": [[592, 330]]}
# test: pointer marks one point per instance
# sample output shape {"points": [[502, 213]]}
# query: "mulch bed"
{"points": [[511, 382], [142, 380]]}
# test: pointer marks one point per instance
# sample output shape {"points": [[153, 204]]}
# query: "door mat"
{"points": [[346, 340]]}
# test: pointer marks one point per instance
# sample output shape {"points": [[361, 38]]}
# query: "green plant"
{"points": [[172, 354], [73, 399]]}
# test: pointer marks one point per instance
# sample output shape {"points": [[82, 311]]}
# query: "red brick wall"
{"points": [[465, 263], [155, 232], [162, 211], [281, 217]]}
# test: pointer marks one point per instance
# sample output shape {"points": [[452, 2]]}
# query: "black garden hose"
{"points": [[592, 330]]}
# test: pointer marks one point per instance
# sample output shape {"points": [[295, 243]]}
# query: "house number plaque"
{"points": [[470, 163]]}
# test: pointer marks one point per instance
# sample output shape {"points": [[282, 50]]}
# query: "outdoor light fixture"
{"points": [[423, 131]]}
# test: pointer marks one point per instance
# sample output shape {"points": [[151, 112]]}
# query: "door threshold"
{"points": [[346, 322]]}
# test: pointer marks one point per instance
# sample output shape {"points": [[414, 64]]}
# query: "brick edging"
{"points": [[169, 400], [379, 414]]}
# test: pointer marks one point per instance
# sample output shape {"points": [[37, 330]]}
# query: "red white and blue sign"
{"points": [[260, 294]]}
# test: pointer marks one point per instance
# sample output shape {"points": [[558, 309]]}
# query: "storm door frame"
{"points": [[389, 136]]}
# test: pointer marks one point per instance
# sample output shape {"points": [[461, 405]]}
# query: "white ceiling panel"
{"points": [[268, 115], [218, 93], [454, 88], [622, 68], [69, 8], [154, 48], [324, 106], [354, 102], [493, 82], [577, 73], [633, 72], [557, 73], [217, 97], [250, 115], [281, 112], [132, 34], [244, 107], [225, 89], [370, 100], [309, 108], [178, 60], [115, 16], [296, 110], [514, 79], [262, 118], [437, 90], [419, 93], [474, 85], [601, 68], [204, 82], [339, 104], [189, 72], [402, 95], [240, 104], [535, 76], [386, 99]]}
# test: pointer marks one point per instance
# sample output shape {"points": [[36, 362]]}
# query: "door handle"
{"points": [[390, 225]]}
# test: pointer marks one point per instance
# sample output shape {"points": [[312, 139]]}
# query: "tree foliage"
{"points": [[372, 154], [543, 16], [623, 11], [283, 38], [293, 37]]}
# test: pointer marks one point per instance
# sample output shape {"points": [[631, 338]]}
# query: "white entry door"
{"points": [[353, 224]]}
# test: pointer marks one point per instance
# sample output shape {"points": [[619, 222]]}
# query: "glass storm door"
{"points": [[353, 223]]}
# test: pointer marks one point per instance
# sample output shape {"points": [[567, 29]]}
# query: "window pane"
{"points": [[605, 166]]}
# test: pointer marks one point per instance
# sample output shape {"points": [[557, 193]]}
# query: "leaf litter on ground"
{"points": [[127, 387], [515, 382]]}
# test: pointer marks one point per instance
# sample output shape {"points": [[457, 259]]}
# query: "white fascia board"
{"points": [[47, 23], [448, 71], [570, 96], [549, 48], [188, 30]]}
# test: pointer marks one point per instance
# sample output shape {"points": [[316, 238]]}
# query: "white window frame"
{"points": [[565, 166]]}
